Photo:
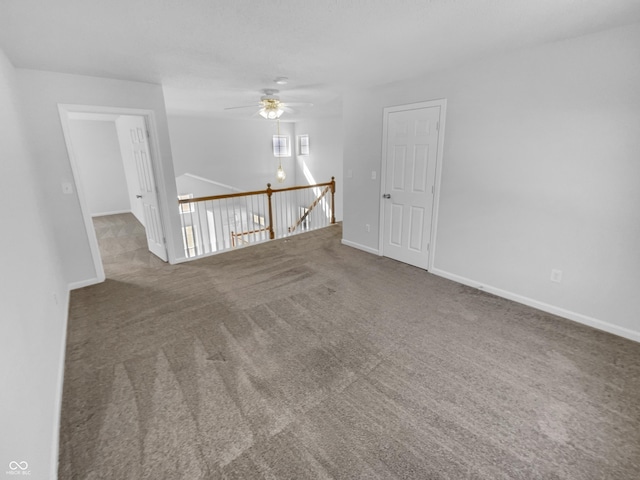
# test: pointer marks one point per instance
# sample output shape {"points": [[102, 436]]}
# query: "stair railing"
{"points": [[222, 222], [307, 211]]}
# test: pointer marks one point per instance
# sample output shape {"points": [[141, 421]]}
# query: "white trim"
{"points": [[349, 243], [438, 182], [57, 408], [202, 179], [154, 149], [104, 214], [545, 307], [63, 111], [188, 259], [442, 103], [205, 255], [165, 207], [86, 283], [218, 252]]}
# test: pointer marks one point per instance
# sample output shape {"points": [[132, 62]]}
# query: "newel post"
{"points": [[269, 192], [333, 201]]}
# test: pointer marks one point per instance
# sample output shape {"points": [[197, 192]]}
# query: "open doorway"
{"points": [[114, 176]]}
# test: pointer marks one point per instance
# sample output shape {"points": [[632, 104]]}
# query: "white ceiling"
{"points": [[210, 54]]}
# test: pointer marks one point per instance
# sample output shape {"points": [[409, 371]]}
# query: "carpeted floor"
{"points": [[303, 358]]}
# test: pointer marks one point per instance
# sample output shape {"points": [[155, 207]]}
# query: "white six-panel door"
{"points": [[146, 184], [411, 141]]}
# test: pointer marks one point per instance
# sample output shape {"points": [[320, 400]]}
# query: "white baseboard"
{"points": [[349, 243], [85, 283], [55, 451], [115, 212], [545, 307]]}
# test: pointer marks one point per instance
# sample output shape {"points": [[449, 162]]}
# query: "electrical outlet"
{"points": [[556, 275], [367, 227]]}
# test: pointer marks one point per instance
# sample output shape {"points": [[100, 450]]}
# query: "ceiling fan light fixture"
{"points": [[270, 113], [271, 109], [270, 106]]}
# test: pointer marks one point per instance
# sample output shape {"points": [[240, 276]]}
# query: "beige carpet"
{"points": [[304, 358]]}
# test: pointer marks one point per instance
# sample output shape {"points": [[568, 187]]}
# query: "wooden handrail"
{"points": [[270, 227], [235, 235], [221, 197], [311, 207], [256, 192], [300, 187]]}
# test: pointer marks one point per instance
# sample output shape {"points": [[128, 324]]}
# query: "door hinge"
{"points": [[437, 126], [433, 189], [428, 245], [164, 239]]}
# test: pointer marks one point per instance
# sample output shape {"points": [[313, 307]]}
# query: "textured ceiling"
{"points": [[209, 54]]}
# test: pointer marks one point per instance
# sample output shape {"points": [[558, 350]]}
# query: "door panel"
{"points": [[420, 165], [416, 229], [146, 196], [396, 222], [411, 157], [399, 160]]}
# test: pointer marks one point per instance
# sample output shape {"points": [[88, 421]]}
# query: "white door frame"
{"points": [[154, 149], [442, 103]]}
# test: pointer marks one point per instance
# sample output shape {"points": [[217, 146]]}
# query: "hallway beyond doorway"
{"points": [[122, 241]]}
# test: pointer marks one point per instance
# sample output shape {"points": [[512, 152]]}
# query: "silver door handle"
{"points": [[386, 195], [138, 196]]}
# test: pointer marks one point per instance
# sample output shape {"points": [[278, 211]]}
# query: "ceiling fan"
{"points": [[270, 105]]}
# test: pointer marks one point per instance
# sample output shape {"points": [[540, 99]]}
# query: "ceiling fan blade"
{"points": [[296, 104], [255, 105]]}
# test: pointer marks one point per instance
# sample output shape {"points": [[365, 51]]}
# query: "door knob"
{"points": [[138, 196], [386, 195]]}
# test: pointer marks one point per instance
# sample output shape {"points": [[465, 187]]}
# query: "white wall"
{"points": [[325, 155], [201, 187], [540, 171], [234, 152], [33, 299], [41, 94], [100, 165]]}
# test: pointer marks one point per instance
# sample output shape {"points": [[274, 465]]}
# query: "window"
{"points": [[189, 233], [186, 207], [281, 146], [258, 220], [303, 145]]}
